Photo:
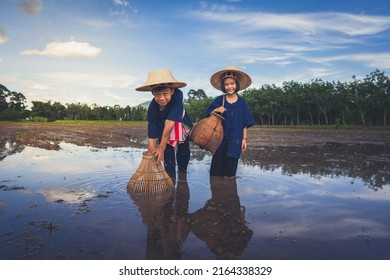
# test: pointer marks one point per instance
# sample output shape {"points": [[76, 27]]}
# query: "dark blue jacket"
{"points": [[173, 111], [237, 117]]}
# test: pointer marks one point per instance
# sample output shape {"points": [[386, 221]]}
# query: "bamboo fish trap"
{"points": [[208, 133], [149, 177]]}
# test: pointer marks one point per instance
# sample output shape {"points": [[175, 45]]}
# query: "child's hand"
{"points": [[159, 155], [243, 145], [219, 110]]}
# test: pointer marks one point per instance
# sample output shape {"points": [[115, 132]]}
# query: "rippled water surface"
{"points": [[328, 202]]}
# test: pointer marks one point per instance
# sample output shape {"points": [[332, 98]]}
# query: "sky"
{"points": [[98, 52]]}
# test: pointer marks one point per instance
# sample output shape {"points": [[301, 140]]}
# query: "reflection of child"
{"points": [[221, 221], [167, 219], [237, 119], [167, 121]]}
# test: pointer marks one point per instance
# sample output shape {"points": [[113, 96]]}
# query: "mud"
{"points": [[301, 193], [50, 135]]}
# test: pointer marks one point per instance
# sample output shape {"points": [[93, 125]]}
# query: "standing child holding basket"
{"points": [[237, 119]]}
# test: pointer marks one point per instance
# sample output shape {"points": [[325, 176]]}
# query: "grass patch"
{"points": [[284, 128], [98, 122], [78, 122]]}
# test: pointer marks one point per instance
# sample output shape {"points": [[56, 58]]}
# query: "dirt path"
{"points": [[50, 135]]}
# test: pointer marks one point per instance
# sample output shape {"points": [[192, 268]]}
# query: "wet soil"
{"points": [[289, 218], [50, 135]]}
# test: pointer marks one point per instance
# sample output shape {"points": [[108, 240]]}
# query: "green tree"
{"points": [[343, 96], [139, 113], [196, 108], [360, 97], [379, 85], [323, 97], [196, 104], [294, 95], [17, 101], [196, 94], [3, 97], [272, 96], [12, 104], [44, 110], [254, 100]]}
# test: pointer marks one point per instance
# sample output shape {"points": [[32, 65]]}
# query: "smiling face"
{"points": [[163, 95], [230, 85]]}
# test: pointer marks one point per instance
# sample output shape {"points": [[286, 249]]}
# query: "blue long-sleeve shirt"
{"points": [[237, 116], [173, 111]]}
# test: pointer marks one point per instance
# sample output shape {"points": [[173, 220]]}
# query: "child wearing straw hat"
{"points": [[237, 119], [168, 123]]}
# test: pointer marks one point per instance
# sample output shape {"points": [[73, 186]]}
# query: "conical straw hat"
{"points": [[160, 77], [231, 72], [149, 177]]}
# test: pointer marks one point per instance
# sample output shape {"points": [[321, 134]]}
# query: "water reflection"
{"points": [[166, 216], [308, 204], [7, 148], [220, 223], [367, 162], [67, 195]]}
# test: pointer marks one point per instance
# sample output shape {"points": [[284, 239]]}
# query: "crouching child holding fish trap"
{"points": [[168, 129]]}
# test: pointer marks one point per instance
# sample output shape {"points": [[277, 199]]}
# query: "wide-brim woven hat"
{"points": [[231, 72], [160, 77]]}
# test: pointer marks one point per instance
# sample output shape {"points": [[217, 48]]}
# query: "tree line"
{"points": [[357, 102], [13, 108], [78, 111]]}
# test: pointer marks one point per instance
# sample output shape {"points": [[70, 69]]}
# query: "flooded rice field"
{"points": [[326, 202]]}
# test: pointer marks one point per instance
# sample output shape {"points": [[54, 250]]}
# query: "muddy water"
{"points": [[328, 202]]}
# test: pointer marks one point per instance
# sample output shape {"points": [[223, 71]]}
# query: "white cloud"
{"points": [[3, 36], [321, 72], [97, 23], [309, 23], [266, 57], [321, 38], [40, 87], [121, 3], [30, 7], [373, 60], [122, 9], [66, 49], [294, 44]]}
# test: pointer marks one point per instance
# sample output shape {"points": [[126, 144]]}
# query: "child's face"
{"points": [[163, 95], [230, 85]]}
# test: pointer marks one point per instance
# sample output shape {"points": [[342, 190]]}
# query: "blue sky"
{"points": [[100, 51]]}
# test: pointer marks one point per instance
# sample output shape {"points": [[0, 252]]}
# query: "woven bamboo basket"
{"points": [[149, 177], [208, 133]]}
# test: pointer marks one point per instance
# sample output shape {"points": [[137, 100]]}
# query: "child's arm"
{"points": [[215, 107], [151, 145], [244, 145], [220, 110], [159, 151]]}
